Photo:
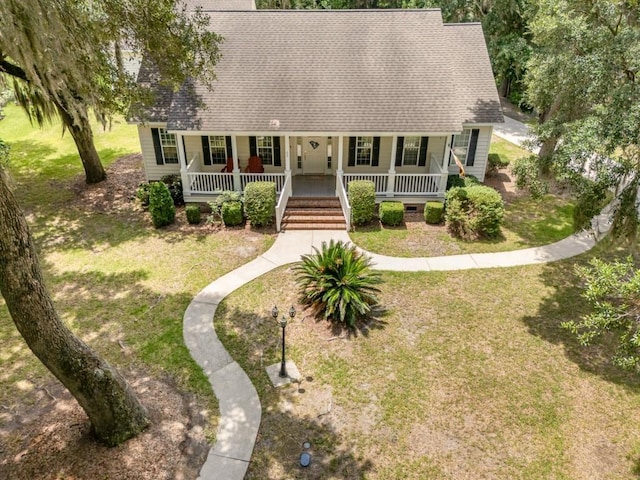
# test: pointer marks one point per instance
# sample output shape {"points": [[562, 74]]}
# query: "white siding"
{"points": [[435, 147], [384, 159], [151, 169], [482, 152]]}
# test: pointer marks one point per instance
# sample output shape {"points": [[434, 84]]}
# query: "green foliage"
{"points": [[612, 291], [260, 202], [433, 212], [528, 176], [232, 213], [495, 162], [161, 207], [583, 80], [362, 197], [174, 183], [458, 181], [142, 193], [337, 283], [474, 212], [226, 196], [193, 214], [391, 213]]}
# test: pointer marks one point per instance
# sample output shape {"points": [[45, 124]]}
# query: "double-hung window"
{"points": [[265, 149], [364, 149], [461, 145], [411, 151], [168, 145], [218, 150]]}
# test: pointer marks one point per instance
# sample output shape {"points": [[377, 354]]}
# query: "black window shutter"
{"points": [[206, 151], [375, 157], [473, 143], [399, 150], [184, 149], [253, 147], [277, 161], [422, 159], [156, 146], [352, 151], [229, 147]]}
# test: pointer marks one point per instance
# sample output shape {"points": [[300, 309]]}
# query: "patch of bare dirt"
{"points": [[116, 195], [504, 182], [51, 439]]}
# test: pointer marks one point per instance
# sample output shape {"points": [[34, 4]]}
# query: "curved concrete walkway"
{"points": [[240, 409]]}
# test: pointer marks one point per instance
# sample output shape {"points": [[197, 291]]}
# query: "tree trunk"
{"points": [[83, 136], [114, 411], [545, 155]]}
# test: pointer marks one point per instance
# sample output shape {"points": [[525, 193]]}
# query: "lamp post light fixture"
{"points": [[283, 324]]}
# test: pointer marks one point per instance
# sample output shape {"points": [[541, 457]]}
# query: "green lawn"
{"points": [[121, 285], [467, 375], [527, 223]]}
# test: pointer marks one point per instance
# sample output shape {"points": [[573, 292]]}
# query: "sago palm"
{"points": [[337, 282]]}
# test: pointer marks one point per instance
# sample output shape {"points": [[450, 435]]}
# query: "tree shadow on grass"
{"points": [[130, 325], [291, 415], [564, 304]]}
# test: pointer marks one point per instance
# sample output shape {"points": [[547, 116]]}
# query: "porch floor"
{"points": [[314, 185]]}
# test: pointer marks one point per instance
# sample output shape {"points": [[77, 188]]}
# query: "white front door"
{"points": [[314, 155]]}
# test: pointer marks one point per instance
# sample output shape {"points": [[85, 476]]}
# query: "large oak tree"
{"points": [[113, 409], [66, 58]]}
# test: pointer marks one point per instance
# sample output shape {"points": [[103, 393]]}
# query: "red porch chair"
{"points": [[229, 166], [255, 165]]}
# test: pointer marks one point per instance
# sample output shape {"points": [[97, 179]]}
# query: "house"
{"points": [[324, 97]]}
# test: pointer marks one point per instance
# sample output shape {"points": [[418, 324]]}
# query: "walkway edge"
{"points": [[240, 409]]}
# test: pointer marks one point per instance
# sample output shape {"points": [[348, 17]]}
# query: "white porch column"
{"points": [[287, 154], [391, 182], [445, 163], [447, 152], [182, 157], [236, 164], [339, 171]]}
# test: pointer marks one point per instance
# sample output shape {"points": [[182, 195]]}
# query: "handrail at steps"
{"points": [[344, 200], [282, 201]]}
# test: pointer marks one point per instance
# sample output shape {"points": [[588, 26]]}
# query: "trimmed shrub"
{"points": [[220, 200], [495, 162], [474, 212], [142, 193], [260, 202], [391, 213], [161, 207], [232, 213], [362, 197], [433, 212], [458, 181], [337, 283], [174, 183], [527, 173], [193, 214]]}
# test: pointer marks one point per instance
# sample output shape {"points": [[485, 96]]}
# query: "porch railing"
{"points": [[282, 201], [207, 182], [417, 184], [379, 180], [344, 200], [277, 178]]}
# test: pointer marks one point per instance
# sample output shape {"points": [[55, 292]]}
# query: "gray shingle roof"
{"points": [[474, 83], [216, 5], [342, 71]]}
